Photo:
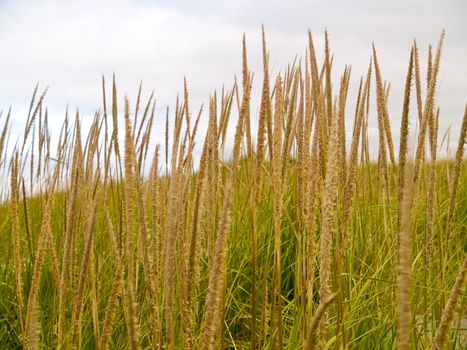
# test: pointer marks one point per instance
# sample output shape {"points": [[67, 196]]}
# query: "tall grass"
{"points": [[289, 239]]}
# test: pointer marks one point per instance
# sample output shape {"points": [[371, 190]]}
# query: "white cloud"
{"points": [[68, 45]]}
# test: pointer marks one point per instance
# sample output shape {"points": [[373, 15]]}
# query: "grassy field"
{"points": [[289, 239]]}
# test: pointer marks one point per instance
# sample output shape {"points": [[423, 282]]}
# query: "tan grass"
{"points": [[450, 308], [404, 270], [16, 235], [244, 247]]}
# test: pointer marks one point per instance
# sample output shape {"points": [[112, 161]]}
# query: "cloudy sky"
{"points": [[68, 45]]}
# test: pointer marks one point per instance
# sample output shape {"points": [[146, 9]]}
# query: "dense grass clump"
{"points": [[287, 240]]}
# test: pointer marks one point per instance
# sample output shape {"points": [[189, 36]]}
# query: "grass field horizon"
{"points": [[292, 236]]}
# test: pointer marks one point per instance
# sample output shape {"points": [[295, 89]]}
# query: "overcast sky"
{"points": [[68, 45]]}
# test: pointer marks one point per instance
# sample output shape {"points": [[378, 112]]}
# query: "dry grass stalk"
{"points": [[428, 109], [45, 236], [30, 325], [318, 102], [143, 233], [169, 267], [246, 83], [418, 87], [313, 168], [353, 161], [211, 209], [217, 274], [291, 120], [130, 196], [429, 71], [4, 134], [404, 268], [32, 117], [433, 127], [307, 185], [115, 120], [277, 183], [226, 108], [339, 113], [457, 171], [382, 128], [78, 300], [341, 121], [311, 342], [245, 109], [265, 113], [307, 248], [155, 198], [328, 216], [328, 89], [156, 244], [26, 221], [308, 99], [149, 273], [302, 201], [365, 157], [70, 232], [192, 266], [266, 108], [16, 237], [183, 236], [110, 314], [257, 181], [302, 154], [94, 269], [450, 308], [404, 132]]}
